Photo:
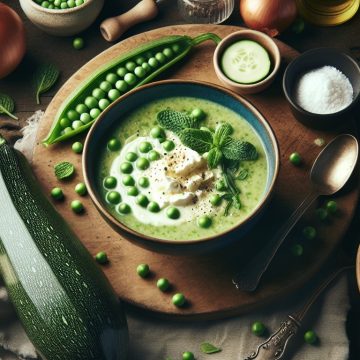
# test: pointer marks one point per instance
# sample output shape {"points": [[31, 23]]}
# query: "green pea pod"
{"points": [[179, 46]]}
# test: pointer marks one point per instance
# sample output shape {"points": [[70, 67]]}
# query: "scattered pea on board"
{"points": [[77, 206], [179, 300], [128, 71], [78, 43], [258, 328], [101, 257], [187, 355], [163, 284], [310, 337], [143, 270]]}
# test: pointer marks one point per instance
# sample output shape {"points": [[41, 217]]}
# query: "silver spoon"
{"points": [[329, 173]]}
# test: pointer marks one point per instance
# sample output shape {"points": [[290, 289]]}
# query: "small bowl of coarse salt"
{"points": [[322, 87]]}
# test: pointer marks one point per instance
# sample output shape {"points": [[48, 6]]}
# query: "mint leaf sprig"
{"points": [[175, 121], [7, 106]]}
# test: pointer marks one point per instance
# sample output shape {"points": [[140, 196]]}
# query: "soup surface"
{"points": [[157, 186]]}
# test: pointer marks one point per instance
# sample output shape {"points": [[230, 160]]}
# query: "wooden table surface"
{"points": [[59, 51]]}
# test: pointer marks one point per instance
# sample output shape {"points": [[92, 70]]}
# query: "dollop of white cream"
{"points": [[179, 178]]}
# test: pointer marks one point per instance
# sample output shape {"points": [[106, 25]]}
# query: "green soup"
{"points": [[127, 195]]}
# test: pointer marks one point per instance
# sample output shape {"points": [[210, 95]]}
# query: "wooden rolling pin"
{"points": [[112, 28]]}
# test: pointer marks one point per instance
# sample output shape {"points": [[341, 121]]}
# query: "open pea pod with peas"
{"points": [[122, 74]]}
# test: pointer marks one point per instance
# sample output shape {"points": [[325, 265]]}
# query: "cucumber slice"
{"points": [[246, 62]]}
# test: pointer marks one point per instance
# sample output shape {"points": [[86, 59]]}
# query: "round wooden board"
{"points": [[205, 280]]}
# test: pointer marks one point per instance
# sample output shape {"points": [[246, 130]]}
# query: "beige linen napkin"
{"points": [[153, 339]]}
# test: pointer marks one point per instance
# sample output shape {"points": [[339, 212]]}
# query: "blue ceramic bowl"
{"points": [[171, 88]]}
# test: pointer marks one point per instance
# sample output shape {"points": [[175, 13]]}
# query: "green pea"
{"points": [[143, 182], [198, 114], [78, 43], [67, 130], [45, 4], [130, 66], [76, 124], [310, 337], [142, 200], [121, 85], [153, 207], [57, 3], [173, 213], [143, 270], [146, 67], [64, 5], [51, 6], [101, 257], [124, 208], [71, 3], [85, 118], [295, 158], [65, 122], [157, 132], [73, 115], [331, 206], [77, 206], [113, 94], [153, 62], [105, 86], [114, 144], [176, 48], [132, 191], [215, 200], [57, 193], [130, 79], [168, 145], [309, 232], [145, 147], [80, 189], [140, 60], [178, 299], [258, 328], [160, 57], [126, 168], [91, 102], [187, 355], [103, 104], [112, 78], [94, 113], [139, 72], [98, 93], [128, 180], [81, 108], [121, 71], [297, 249], [220, 185], [79, 2], [322, 214], [77, 147], [204, 221], [110, 182], [163, 284], [168, 52], [153, 155], [142, 163], [131, 156], [113, 197]]}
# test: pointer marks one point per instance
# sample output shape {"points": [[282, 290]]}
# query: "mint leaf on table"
{"points": [[208, 348], [45, 78], [239, 150], [214, 158], [175, 121], [7, 106], [221, 133], [64, 170], [197, 140]]}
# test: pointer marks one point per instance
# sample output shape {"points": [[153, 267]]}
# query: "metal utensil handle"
{"points": [[249, 278], [273, 348]]}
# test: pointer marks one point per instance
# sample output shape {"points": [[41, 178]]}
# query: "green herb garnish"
{"points": [[198, 140], [208, 348], [242, 174], [7, 106], [175, 121], [45, 78], [64, 170]]}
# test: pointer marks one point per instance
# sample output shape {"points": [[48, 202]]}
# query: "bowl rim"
{"points": [[60, 11], [287, 90], [220, 48], [115, 222]]}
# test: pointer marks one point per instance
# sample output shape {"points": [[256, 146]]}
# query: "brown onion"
{"points": [[269, 16], [12, 40]]}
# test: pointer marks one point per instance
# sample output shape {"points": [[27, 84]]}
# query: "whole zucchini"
{"points": [[64, 301], [126, 72]]}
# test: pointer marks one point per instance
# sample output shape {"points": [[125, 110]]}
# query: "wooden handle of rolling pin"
{"points": [[112, 28]]}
